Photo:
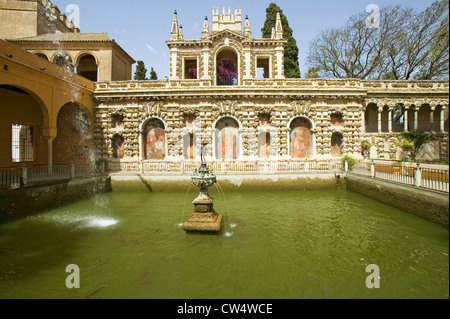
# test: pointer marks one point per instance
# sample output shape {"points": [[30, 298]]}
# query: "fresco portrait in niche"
{"points": [[155, 140], [227, 138], [300, 138]]}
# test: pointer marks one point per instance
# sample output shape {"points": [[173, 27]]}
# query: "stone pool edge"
{"points": [[163, 183], [28, 200], [430, 205]]}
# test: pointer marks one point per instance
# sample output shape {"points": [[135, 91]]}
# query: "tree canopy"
{"points": [[291, 65], [141, 71], [153, 75], [407, 45]]}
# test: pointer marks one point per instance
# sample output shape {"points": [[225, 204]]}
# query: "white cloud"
{"points": [[150, 48], [196, 26]]}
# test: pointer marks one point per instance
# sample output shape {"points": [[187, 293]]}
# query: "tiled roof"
{"points": [[67, 37]]}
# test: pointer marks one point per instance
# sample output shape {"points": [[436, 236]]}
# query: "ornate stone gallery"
{"points": [[228, 90]]}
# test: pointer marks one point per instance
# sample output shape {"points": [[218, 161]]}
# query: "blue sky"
{"points": [[142, 27]]}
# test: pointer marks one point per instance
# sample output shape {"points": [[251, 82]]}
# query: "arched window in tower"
{"points": [[87, 67], [117, 146], [155, 140], [300, 138], [227, 138], [190, 69], [227, 67], [337, 141]]}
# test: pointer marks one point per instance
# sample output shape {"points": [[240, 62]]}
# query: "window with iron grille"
{"points": [[22, 143]]}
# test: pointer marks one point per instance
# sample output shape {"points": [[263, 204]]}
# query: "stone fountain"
{"points": [[204, 219]]}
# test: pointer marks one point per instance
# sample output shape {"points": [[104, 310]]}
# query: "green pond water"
{"points": [[283, 244]]}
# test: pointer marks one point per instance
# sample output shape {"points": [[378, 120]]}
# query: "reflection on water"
{"points": [[290, 244]]}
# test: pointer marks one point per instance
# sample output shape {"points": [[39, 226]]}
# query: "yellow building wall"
{"points": [[49, 88], [20, 108]]}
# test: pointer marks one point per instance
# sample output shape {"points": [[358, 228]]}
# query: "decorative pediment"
{"points": [[226, 34]]}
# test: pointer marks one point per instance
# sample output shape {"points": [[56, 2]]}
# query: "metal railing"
{"points": [[18, 177], [10, 177], [227, 78], [428, 176], [226, 166]]}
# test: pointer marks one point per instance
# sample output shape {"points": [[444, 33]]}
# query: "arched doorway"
{"points": [[87, 67], [21, 128], [300, 138], [227, 138], [154, 140], [227, 67], [74, 142]]}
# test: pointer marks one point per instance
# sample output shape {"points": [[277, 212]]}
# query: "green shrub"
{"points": [[350, 160], [405, 143], [365, 145]]}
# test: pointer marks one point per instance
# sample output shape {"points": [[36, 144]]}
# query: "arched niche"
{"points": [[300, 138], [227, 138], [337, 143], [117, 145]]}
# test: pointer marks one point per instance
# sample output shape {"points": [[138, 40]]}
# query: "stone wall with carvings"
{"points": [[139, 101]]}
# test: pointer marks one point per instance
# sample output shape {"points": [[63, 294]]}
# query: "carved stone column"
{"points": [[405, 116], [390, 108], [442, 118], [432, 108], [380, 110], [416, 116]]}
